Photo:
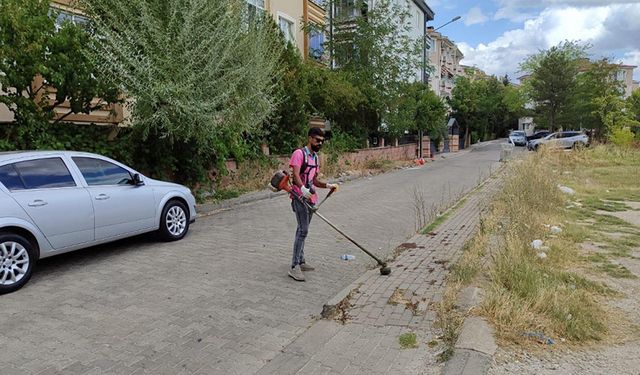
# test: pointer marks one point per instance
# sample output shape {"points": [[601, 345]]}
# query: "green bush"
{"points": [[621, 137]]}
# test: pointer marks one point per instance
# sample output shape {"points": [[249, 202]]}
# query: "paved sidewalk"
{"points": [[376, 309]]}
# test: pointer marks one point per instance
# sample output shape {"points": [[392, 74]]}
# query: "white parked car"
{"points": [[563, 139], [53, 202], [518, 137]]}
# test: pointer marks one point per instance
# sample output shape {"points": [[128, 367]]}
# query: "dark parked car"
{"points": [[537, 135]]}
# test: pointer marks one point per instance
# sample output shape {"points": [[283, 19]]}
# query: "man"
{"points": [[305, 166]]}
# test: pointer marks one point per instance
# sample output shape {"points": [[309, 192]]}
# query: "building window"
{"points": [[256, 7], [61, 16], [316, 45], [345, 9], [287, 26]]}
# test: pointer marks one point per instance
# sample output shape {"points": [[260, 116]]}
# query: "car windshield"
{"points": [[553, 135], [518, 133]]}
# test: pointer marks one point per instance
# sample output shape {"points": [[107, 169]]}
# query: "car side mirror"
{"points": [[137, 180]]}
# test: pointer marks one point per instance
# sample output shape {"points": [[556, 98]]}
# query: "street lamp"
{"points": [[454, 19]]}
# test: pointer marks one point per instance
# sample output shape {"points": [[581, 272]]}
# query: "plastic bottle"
{"points": [[347, 257]]}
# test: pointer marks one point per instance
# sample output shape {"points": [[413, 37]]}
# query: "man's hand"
{"points": [[306, 193], [334, 187]]}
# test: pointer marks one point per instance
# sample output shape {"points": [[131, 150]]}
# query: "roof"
{"points": [[9, 155], [428, 13]]}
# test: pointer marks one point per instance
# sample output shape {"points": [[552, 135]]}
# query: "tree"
{"points": [[593, 84], [485, 107], [377, 55], [287, 125], [552, 85], [38, 62], [419, 109], [198, 72], [633, 104]]}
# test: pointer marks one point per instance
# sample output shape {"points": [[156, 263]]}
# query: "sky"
{"points": [[496, 35]]}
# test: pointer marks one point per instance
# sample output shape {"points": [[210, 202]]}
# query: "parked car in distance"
{"points": [[53, 202], [563, 139], [518, 137], [538, 134]]}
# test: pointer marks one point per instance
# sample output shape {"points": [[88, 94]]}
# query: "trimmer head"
{"points": [[280, 181]]}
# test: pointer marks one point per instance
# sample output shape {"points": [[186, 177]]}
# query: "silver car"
{"points": [[53, 202], [563, 139], [518, 137]]}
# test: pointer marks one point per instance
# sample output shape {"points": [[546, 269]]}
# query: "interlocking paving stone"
{"points": [[418, 276], [219, 301]]}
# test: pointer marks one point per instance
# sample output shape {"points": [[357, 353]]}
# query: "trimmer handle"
{"points": [[314, 209]]}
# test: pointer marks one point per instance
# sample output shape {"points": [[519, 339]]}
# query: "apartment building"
{"points": [[301, 22], [106, 115], [343, 12], [625, 76], [472, 72], [444, 57]]}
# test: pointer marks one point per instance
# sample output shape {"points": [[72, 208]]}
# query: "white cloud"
{"points": [[520, 10], [613, 31], [474, 16]]}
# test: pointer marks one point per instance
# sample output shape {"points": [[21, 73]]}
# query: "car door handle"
{"points": [[101, 197], [37, 203]]}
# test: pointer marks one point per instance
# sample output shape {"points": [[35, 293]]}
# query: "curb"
{"points": [[474, 349], [330, 308]]}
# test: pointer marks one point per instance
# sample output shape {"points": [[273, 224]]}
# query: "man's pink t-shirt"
{"points": [[297, 158]]}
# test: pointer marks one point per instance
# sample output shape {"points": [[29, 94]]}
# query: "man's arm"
{"points": [[318, 183], [296, 175], [324, 185]]}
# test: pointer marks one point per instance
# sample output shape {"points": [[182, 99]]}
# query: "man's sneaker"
{"points": [[305, 267], [296, 273]]}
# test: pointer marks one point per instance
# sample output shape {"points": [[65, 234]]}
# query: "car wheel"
{"points": [[577, 145], [17, 259], [174, 222]]}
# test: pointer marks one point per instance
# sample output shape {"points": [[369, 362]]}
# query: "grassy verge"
{"points": [[254, 175], [558, 293]]}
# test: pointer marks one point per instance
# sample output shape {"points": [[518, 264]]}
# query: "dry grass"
{"points": [[524, 292], [555, 295], [448, 320]]}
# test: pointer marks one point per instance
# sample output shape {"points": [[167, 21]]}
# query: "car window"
{"points": [[9, 178], [102, 172], [44, 173]]}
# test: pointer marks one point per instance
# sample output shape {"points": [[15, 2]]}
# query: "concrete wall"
{"points": [[357, 158]]}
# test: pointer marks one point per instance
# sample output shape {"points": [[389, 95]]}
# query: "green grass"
{"points": [[595, 203], [380, 164], [223, 194], [408, 340], [442, 218], [617, 271]]}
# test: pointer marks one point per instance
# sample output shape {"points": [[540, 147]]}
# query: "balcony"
{"points": [[315, 12]]}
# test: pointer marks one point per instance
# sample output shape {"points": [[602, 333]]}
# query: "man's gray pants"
{"points": [[303, 216]]}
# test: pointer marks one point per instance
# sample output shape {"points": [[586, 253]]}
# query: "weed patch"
{"points": [[408, 340]]}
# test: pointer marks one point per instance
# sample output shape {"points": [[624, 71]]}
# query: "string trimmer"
{"points": [[280, 181]]}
